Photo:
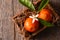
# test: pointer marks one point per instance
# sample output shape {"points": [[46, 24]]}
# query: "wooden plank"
{"points": [[7, 24], [0, 20], [0, 38], [17, 8]]}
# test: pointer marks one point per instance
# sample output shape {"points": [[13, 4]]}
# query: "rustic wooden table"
{"points": [[8, 31]]}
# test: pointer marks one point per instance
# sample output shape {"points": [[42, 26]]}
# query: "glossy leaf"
{"points": [[42, 4], [28, 4], [45, 23]]}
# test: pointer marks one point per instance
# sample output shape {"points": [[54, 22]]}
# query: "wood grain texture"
{"points": [[7, 24], [56, 5], [17, 8], [0, 19]]}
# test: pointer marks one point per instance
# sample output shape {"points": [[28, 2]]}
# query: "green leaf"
{"points": [[43, 4], [45, 23], [28, 4]]}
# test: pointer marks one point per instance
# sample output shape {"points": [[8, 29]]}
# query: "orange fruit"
{"points": [[45, 14], [29, 26]]}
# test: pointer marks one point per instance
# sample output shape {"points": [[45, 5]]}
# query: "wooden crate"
{"points": [[22, 15]]}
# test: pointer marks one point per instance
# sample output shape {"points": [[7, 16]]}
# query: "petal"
{"points": [[30, 16], [36, 19], [37, 15], [33, 21]]}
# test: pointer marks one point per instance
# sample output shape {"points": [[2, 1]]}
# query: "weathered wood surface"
{"points": [[7, 26], [17, 8], [8, 31], [0, 20]]}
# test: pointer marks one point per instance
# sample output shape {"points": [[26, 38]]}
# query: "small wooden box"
{"points": [[21, 16]]}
